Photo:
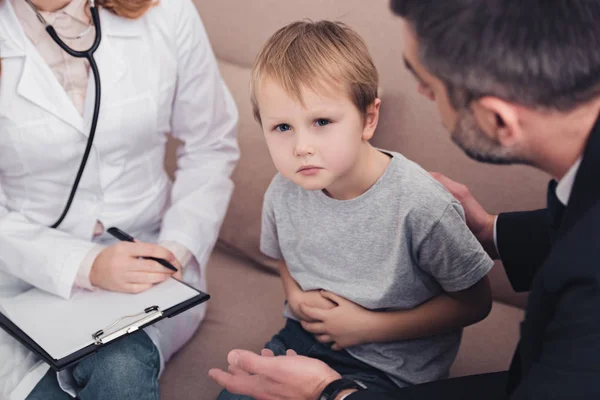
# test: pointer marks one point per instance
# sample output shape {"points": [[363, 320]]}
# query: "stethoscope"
{"points": [[89, 55]]}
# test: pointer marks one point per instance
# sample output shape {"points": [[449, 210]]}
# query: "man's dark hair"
{"points": [[538, 53]]}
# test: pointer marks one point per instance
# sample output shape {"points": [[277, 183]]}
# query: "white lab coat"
{"points": [[158, 75]]}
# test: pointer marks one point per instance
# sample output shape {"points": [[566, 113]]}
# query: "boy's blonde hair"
{"points": [[307, 54]]}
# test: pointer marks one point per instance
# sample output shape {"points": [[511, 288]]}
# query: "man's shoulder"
{"points": [[576, 254], [582, 240]]}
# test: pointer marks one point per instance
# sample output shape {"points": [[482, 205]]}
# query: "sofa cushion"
{"points": [[489, 345], [241, 228], [501, 288]]}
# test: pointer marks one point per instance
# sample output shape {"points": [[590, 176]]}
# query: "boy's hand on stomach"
{"points": [[311, 298], [345, 325], [119, 268]]}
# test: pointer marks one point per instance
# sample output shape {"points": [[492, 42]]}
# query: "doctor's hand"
{"points": [[479, 221], [266, 377], [345, 325], [119, 268]]}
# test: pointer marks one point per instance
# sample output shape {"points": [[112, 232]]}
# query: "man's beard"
{"points": [[478, 146]]}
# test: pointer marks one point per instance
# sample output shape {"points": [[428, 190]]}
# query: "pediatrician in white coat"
{"points": [[158, 76]]}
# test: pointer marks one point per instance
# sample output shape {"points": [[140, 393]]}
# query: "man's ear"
{"points": [[371, 119], [499, 119]]}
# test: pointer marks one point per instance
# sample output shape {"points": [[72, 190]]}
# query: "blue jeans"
{"points": [[294, 337], [125, 369]]}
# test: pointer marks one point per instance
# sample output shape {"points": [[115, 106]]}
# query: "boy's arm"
{"points": [[349, 324], [442, 314]]}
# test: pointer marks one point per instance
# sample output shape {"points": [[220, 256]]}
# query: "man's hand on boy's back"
{"points": [[119, 268], [345, 325]]}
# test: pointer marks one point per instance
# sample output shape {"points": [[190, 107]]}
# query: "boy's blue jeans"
{"points": [[294, 337], [126, 369]]}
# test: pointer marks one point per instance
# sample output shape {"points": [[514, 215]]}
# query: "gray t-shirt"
{"points": [[394, 247]]}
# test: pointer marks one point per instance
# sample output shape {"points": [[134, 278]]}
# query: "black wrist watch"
{"points": [[336, 387]]}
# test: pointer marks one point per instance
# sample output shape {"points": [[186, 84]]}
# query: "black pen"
{"points": [[119, 234]]}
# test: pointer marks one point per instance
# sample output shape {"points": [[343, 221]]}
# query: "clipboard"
{"points": [[105, 335]]}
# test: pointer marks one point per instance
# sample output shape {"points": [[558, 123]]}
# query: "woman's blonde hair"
{"points": [[131, 9], [314, 55]]}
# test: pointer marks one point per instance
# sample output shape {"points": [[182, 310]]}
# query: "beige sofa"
{"points": [[247, 298]]}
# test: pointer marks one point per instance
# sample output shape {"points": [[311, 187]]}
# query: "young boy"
{"points": [[375, 255]]}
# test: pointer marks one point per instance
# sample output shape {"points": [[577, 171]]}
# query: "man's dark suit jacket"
{"points": [[558, 356]]}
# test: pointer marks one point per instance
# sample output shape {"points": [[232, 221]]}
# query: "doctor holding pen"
{"points": [[88, 92]]}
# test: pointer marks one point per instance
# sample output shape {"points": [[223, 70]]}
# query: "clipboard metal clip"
{"points": [[109, 333]]}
